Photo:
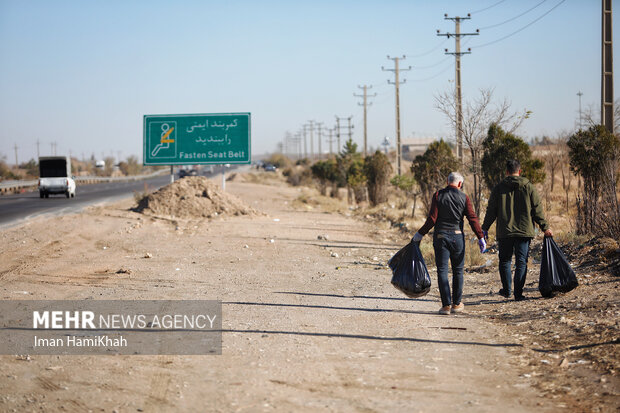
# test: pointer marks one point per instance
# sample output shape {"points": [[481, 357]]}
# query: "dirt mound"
{"points": [[235, 177], [193, 197]]}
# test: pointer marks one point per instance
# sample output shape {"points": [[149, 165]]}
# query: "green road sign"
{"points": [[204, 138]]}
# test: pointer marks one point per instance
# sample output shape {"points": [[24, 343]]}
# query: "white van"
{"points": [[55, 176]]}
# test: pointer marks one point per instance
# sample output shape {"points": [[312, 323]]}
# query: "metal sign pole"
{"points": [[171, 174], [224, 177]]}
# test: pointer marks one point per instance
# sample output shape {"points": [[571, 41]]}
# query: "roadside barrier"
{"points": [[9, 187]]}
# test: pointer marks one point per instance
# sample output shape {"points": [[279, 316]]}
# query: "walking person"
{"points": [[516, 206], [448, 207]]}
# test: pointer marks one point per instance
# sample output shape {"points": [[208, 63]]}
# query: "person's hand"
{"points": [[548, 233], [482, 244], [486, 235], [417, 237]]}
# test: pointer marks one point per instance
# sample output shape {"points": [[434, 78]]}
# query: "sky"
{"points": [[84, 73]]}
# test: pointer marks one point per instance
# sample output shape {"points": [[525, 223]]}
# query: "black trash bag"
{"points": [[409, 272], [556, 274]]}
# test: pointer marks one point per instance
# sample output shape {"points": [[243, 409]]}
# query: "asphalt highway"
{"points": [[17, 208]]}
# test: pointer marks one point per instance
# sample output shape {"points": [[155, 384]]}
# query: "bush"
{"points": [[279, 161], [431, 169], [595, 154], [377, 169], [499, 147], [325, 172]]}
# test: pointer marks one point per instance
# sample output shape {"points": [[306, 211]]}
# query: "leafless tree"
{"points": [[478, 115]]}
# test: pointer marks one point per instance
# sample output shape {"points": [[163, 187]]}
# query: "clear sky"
{"points": [[83, 73]]}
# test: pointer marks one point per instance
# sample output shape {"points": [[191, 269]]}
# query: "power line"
{"points": [[513, 18], [433, 65], [487, 8], [429, 51], [521, 29], [442, 71]]}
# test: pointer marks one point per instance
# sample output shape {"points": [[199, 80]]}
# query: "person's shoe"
{"points": [[457, 308], [504, 293], [444, 310], [520, 298]]}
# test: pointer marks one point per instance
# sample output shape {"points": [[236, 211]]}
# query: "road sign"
{"points": [[203, 138]]}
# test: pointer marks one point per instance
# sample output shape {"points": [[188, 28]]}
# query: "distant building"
{"points": [[411, 147]]}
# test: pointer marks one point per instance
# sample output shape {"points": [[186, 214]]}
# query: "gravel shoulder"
{"points": [[309, 324]]}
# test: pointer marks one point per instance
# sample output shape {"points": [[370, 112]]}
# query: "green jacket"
{"points": [[516, 205]]}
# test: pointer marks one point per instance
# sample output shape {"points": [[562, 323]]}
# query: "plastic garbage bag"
{"points": [[409, 272], [556, 274]]}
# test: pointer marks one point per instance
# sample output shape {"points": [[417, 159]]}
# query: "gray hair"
{"points": [[455, 178]]}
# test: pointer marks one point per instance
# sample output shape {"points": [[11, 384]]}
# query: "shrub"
{"points": [[377, 169], [431, 169], [499, 147]]}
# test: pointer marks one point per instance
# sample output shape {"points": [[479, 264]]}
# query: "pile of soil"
{"points": [[193, 197]]}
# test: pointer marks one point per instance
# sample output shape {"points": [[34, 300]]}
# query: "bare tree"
{"points": [[478, 115]]}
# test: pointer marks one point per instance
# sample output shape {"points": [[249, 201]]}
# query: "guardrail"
{"points": [[16, 186]]}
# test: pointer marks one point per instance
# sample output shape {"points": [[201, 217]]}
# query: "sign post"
{"points": [[197, 139]]}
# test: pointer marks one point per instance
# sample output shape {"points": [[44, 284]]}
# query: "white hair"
{"points": [[455, 178]]}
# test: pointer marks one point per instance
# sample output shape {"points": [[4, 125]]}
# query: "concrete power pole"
{"points": [[337, 134], [311, 139], [330, 140], [607, 69], [16, 162], [350, 127], [319, 125], [38, 156], [457, 76], [305, 142], [397, 83], [365, 104], [580, 95]]}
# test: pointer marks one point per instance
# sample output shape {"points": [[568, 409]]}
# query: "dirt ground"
{"points": [[310, 320]]}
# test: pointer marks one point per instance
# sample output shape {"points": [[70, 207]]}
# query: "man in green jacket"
{"points": [[516, 206]]}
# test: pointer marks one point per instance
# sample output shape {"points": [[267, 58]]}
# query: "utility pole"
{"points": [[580, 95], [607, 69], [330, 140], [397, 83], [365, 104], [350, 127], [457, 77], [311, 139], [339, 127], [319, 126], [305, 142], [16, 162], [38, 156], [338, 133]]}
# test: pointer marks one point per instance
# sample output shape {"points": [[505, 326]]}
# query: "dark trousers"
{"points": [[449, 246], [520, 246]]}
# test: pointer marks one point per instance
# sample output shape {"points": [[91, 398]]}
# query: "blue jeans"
{"points": [[449, 246], [521, 248]]}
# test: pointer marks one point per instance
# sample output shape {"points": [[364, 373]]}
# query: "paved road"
{"points": [[19, 207]]}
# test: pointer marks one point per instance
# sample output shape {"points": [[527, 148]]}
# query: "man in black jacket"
{"points": [[448, 208], [516, 206]]}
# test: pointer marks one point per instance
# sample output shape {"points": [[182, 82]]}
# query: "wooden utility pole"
{"points": [[397, 83], [457, 76], [365, 105], [607, 69]]}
